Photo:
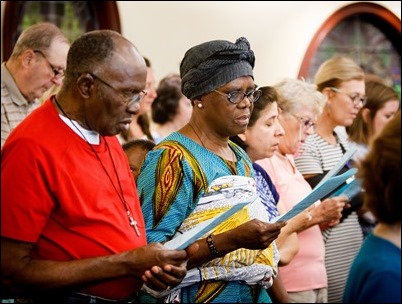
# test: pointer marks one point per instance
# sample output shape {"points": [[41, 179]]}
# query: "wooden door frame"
{"points": [[107, 12], [379, 14]]}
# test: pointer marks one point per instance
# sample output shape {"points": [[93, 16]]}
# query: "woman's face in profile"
{"points": [[228, 119]]}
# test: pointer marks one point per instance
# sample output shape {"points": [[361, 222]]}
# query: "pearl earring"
{"points": [[199, 105]]}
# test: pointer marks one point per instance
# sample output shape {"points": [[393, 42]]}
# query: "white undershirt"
{"points": [[91, 136]]}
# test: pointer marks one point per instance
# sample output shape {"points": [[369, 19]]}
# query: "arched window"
{"points": [[367, 32], [73, 17]]}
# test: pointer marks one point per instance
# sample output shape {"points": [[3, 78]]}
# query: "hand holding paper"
{"points": [[190, 236], [318, 193]]}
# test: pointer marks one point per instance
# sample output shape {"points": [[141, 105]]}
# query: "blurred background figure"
{"points": [[382, 104], [136, 150], [53, 90], [170, 110], [140, 126], [375, 276], [38, 62]]}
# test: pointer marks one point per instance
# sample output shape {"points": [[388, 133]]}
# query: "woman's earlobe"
{"points": [[366, 115], [328, 93]]}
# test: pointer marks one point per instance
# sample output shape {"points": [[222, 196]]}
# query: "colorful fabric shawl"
{"points": [[174, 178]]}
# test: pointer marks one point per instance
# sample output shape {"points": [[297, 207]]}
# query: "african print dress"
{"points": [[175, 176]]}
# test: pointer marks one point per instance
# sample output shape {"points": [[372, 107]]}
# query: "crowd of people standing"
{"points": [[110, 166]]}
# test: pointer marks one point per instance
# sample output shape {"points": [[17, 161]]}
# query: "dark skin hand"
{"points": [[158, 278], [254, 234], [158, 266]]}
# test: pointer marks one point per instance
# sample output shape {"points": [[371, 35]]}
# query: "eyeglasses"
{"points": [[58, 72], [356, 98], [305, 122], [236, 97], [134, 98]]}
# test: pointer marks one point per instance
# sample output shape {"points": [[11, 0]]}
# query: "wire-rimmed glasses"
{"points": [[58, 72], [355, 98], [134, 98], [236, 97], [305, 122]]}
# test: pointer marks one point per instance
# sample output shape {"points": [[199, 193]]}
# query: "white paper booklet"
{"points": [[339, 165], [318, 193], [224, 197], [184, 240], [352, 188]]}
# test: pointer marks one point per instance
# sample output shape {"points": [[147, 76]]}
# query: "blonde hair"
{"points": [[295, 94], [336, 70]]}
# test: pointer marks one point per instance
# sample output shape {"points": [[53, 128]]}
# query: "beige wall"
{"points": [[279, 32]]}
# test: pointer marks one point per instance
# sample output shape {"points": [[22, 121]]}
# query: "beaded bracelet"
{"points": [[212, 249]]}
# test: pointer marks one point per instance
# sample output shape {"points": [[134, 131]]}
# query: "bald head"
{"points": [[94, 48]]}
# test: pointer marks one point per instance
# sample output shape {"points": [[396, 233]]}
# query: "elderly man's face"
{"points": [[119, 88]]}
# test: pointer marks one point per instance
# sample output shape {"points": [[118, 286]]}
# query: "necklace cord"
{"points": [[195, 132], [132, 222]]}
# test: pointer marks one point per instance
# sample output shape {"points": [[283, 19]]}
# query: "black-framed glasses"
{"points": [[236, 97], [133, 98], [58, 72], [305, 122], [355, 98]]}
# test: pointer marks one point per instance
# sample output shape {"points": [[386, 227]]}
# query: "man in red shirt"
{"points": [[72, 228]]}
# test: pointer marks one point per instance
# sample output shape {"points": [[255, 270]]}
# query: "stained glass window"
{"points": [[366, 44]]}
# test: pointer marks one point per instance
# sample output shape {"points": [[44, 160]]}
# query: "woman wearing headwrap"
{"points": [[238, 261]]}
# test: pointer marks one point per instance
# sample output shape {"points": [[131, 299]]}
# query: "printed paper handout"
{"points": [[339, 165], [184, 240], [318, 193], [352, 188]]}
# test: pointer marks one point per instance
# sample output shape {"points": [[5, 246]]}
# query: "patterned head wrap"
{"points": [[210, 65]]}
